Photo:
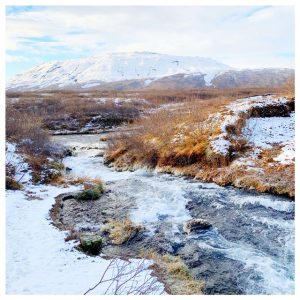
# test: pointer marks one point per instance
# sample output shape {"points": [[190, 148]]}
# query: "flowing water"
{"points": [[248, 250]]}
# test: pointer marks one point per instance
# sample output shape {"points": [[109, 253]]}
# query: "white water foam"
{"points": [[267, 275], [263, 200]]}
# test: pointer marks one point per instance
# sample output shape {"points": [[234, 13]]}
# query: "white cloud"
{"points": [[243, 36], [14, 58]]}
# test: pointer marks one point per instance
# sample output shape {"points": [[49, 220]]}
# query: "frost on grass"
{"points": [[220, 145]]}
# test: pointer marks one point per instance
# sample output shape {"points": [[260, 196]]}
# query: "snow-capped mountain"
{"points": [[113, 67], [136, 70]]}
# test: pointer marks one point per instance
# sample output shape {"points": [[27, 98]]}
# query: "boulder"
{"points": [[195, 224], [91, 243]]}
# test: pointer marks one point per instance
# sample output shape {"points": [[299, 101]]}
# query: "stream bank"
{"points": [[248, 250]]}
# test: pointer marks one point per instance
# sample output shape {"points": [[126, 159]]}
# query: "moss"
{"points": [[91, 243], [91, 194], [12, 184]]}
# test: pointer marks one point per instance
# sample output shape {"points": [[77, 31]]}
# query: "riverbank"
{"points": [[39, 260], [230, 257], [248, 143]]}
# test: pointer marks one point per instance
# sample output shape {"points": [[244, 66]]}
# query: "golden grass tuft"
{"points": [[175, 274], [121, 231]]}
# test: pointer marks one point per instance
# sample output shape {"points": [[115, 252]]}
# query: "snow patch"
{"points": [[16, 160], [221, 145], [259, 131], [287, 155], [264, 132], [38, 261]]}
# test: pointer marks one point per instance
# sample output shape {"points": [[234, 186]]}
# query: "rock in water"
{"points": [[195, 224]]}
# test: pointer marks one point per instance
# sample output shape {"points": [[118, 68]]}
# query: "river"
{"points": [[248, 250]]}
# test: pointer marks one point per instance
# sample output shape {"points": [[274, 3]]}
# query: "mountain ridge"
{"points": [[142, 69]]}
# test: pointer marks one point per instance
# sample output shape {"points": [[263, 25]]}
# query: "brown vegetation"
{"points": [[289, 87], [121, 231], [176, 137], [174, 273], [71, 110], [177, 140]]}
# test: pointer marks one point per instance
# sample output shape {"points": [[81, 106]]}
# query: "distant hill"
{"points": [[136, 70]]}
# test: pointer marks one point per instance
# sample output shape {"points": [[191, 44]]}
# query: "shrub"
{"points": [[12, 184], [57, 165], [91, 194]]}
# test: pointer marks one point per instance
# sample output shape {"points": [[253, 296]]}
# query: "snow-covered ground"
{"points": [[261, 133], [39, 261], [264, 133], [16, 161]]}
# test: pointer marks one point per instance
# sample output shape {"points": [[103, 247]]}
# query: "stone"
{"points": [[91, 243], [195, 224]]}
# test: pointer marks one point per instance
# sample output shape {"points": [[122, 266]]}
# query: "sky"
{"points": [[243, 37]]}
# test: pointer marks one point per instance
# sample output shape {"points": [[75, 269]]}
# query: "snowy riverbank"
{"points": [[39, 261]]}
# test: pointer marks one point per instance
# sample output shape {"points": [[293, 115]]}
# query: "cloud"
{"points": [[242, 36], [14, 58]]}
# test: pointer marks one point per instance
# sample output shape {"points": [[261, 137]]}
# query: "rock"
{"points": [[195, 224], [100, 154], [91, 243], [68, 197]]}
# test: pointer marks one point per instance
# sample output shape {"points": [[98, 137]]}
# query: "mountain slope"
{"points": [[113, 67], [137, 70], [267, 77]]}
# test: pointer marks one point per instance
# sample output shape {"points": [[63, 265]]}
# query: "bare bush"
{"points": [[123, 277]]}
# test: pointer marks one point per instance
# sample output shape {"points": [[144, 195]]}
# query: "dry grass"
{"points": [[83, 180], [289, 88], [174, 273], [266, 177], [12, 184], [121, 231], [68, 109], [175, 138]]}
